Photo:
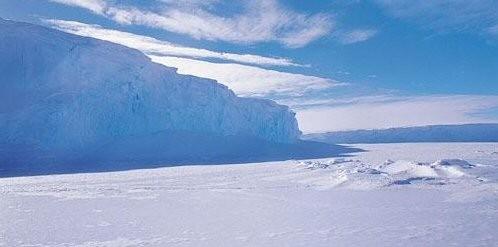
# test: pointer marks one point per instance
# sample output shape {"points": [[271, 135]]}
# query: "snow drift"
{"points": [[65, 96], [355, 174]]}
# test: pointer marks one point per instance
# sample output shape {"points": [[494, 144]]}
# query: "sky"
{"points": [[340, 65]]}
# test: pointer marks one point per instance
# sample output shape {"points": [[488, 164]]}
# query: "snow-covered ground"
{"points": [[421, 194]]}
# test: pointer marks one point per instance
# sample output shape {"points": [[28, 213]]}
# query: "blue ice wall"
{"points": [[61, 94]]}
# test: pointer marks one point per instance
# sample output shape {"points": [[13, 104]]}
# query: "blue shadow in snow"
{"points": [[162, 149]]}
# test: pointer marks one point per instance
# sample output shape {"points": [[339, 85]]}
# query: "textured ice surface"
{"points": [[354, 174], [63, 95]]}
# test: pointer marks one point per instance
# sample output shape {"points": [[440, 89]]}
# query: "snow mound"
{"points": [[64, 95], [355, 174], [454, 162]]}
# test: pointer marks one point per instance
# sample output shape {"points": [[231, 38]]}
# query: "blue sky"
{"points": [[339, 64]]}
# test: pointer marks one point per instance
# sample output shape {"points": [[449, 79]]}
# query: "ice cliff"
{"points": [[62, 94], [432, 133]]}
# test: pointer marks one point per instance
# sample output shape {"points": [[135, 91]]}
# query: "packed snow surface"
{"points": [[66, 98], [423, 194]]}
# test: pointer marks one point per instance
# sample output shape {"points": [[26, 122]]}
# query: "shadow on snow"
{"points": [[164, 149]]}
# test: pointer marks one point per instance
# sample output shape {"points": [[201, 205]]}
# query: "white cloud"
{"points": [[244, 80], [248, 80], [386, 112], [322, 101], [257, 21], [191, 3], [446, 15], [151, 45], [493, 30], [96, 6], [356, 36]]}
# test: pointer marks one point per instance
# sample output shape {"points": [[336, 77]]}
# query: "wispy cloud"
{"points": [[249, 80], [153, 46], [244, 80], [356, 36], [96, 6], [256, 21], [493, 30], [386, 112], [446, 15]]}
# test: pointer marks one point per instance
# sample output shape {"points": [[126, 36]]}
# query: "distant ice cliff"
{"points": [[431, 133]]}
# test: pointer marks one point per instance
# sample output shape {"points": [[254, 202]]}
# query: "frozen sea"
{"points": [[423, 194]]}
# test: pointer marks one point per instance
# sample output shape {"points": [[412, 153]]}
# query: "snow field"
{"points": [[391, 195]]}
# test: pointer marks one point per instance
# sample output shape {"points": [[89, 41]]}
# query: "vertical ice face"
{"points": [[64, 91]]}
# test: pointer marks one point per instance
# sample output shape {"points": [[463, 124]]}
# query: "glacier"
{"points": [[66, 99], [484, 132]]}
